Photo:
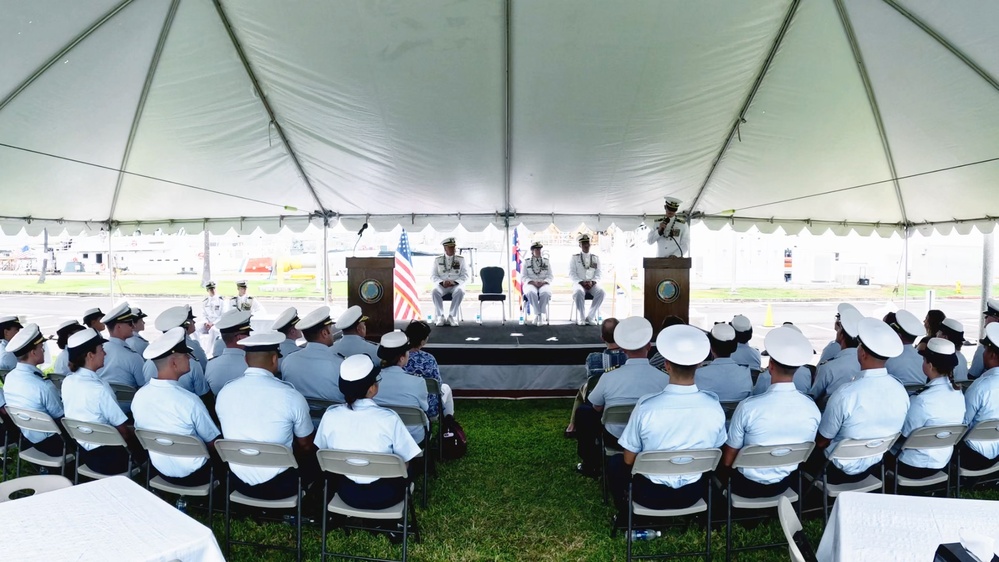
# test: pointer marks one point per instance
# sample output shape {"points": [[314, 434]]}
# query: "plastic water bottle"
{"points": [[430, 319], [478, 319], [181, 504], [521, 321], [645, 534]]}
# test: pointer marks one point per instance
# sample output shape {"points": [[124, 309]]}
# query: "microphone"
{"points": [[359, 233]]}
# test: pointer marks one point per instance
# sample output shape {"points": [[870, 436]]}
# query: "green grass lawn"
{"points": [[515, 496]]}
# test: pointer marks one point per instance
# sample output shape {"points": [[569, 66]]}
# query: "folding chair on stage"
{"points": [[764, 456], [666, 463], [260, 455], [371, 465]]}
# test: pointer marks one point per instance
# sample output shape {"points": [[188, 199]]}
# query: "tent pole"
{"points": [[508, 254], [988, 253], [905, 271], [326, 263], [109, 263]]}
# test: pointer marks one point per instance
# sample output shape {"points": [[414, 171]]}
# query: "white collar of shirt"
{"points": [[363, 403], [939, 381], [782, 387], [882, 372], [990, 372], [636, 361], [162, 382], [115, 341], [681, 389], [234, 351], [85, 372], [257, 372]]}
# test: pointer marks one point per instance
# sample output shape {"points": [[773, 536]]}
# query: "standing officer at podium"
{"points": [[449, 275], [672, 236]]}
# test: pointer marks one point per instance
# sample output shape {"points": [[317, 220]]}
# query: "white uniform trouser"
{"points": [[578, 299], [457, 293], [539, 298], [447, 399]]}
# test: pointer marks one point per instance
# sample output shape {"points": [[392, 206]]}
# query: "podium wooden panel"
{"points": [[366, 274], [663, 271]]}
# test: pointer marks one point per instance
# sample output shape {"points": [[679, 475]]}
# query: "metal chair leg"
{"points": [[631, 509], [728, 522]]}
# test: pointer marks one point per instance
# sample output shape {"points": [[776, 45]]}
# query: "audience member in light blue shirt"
{"points": [[981, 401], [397, 387], [728, 380]]}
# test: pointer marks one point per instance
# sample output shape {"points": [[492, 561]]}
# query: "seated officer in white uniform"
{"points": [[194, 380], [285, 323], [9, 327], [164, 405], [728, 380], [137, 343], [744, 353], [981, 404], [314, 371], [399, 388], [833, 348], [243, 301], [352, 324], [25, 387], [780, 416], [991, 314], [672, 235], [122, 365], [537, 281], [259, 407], [92, 319], [907, 368], [953, 331], [584, 272], [871, 407], [843, 368], [940, 403], [183, 316], [87, 398], [450, 273], [680, 417], [61, 364], [616, 387], [361, 425], [234, 327], [802, 377]]}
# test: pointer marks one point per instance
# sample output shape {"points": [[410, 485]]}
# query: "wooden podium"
{"points": [[667, 289], [370, 285]]}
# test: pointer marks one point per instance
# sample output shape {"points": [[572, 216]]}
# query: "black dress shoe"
{"points": [[587, 471], [569, 433]]}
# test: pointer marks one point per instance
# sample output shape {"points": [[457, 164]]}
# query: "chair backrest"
{"points": [[90, 432], [492, 279], [790, 524], [987, 430], [57, 379], [123, 392], [255, 453], [409, 415], [913, 389], [171, 444], [433, 386], [619, 414], [692, 461], [861, 448], [767, 456], [32, 420], [3, 374], [935, 437], [729, 407], [38, 484], [319, 406], [358, 463]]}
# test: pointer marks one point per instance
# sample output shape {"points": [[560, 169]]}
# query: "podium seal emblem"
{"points": [[668, 291], [370, 291]]}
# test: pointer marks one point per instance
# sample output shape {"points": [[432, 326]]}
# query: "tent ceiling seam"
{"points": [[267, 106], [944, 43], [858, 56], [741, 117], [141, 105], [69, 47], [507, 114]]}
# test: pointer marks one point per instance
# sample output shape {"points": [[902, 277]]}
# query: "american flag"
{"points": [[516, 269], [407, 305]]}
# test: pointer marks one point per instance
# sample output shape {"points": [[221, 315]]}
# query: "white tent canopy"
{"points": [[858, 115]]}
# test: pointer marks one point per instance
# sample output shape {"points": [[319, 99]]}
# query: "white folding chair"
{"points": [[260, 455], [667, 463], [851, 449], [729, 407], [410, 417], [370, 465], [791, 526], [38, 484], [318, 407], [434, 388], [762, 457], [987, 430], [57, 379], [614, 415], [932, 437], [37, 421], [182, 446], [98, 434]]}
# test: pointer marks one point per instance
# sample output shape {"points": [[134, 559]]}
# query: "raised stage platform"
{"points": [[494, 360]]}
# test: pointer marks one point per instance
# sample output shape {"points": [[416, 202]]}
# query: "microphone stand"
{"points": [[359, 233]]}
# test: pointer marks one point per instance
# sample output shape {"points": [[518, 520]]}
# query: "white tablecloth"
{"points": [[880, 527], [109, 519]]}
